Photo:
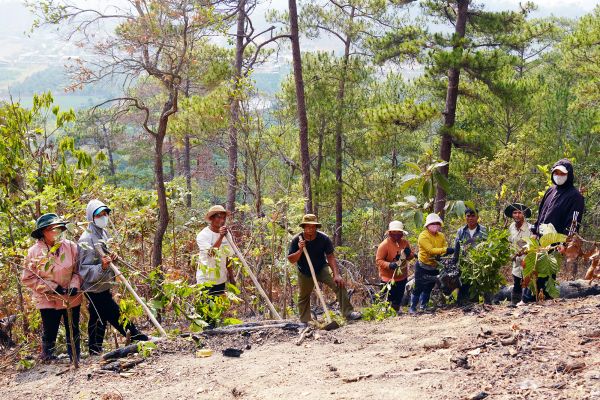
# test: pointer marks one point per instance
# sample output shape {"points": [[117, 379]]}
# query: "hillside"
{"points": [[548, 351]]}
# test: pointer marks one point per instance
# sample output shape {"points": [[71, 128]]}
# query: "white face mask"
{"points": [[101, 222], [560, 179]]}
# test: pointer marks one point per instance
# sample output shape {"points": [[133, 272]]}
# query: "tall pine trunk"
{"points": [[339, 151], [159, 175], [187, 171], [235, 108], [301, 107], [451, 99]]}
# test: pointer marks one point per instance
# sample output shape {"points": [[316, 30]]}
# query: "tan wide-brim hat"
{"points": [[396, 226], [215, 210], [310, 219]]}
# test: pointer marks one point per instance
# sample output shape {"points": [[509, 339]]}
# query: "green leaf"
{"points": [[551, 288], [418, 217], [441, 180], [459, 208], [551, 238]]}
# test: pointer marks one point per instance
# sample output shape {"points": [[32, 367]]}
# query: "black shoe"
{"points": [[139, 337]]}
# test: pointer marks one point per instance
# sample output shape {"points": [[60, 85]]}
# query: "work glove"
{"points": [[60, 290], [393, 265], [407, 252], [449, 251]]}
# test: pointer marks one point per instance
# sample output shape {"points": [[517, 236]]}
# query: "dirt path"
{"points": [[549, 351]]}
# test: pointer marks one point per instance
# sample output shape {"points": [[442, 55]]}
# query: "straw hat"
{"points": [[214, 210]]}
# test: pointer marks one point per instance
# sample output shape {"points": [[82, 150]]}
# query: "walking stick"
{"points": [[124, 281], [239, 254], [331, 325]]}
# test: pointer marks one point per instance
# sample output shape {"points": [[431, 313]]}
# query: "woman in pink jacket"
{"points": [[51, 272]]}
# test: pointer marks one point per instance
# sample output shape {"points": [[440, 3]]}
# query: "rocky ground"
{"points": [[545, 351]]}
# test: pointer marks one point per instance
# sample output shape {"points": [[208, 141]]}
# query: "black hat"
{"points": [[45, 221], [469, 210], [517, 206]]}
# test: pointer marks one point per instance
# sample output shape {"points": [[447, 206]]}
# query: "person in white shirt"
{"points": [[214, 266], [518, 232]]}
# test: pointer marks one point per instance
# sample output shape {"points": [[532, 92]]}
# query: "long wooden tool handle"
{"points": [[124, 281], [239, 254], [314, 277]]}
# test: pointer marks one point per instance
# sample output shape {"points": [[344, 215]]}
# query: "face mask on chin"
{"points": [[559, 179], [101, 222]]}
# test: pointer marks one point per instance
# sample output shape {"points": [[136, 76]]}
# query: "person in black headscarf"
{"points": [[562, 203]]}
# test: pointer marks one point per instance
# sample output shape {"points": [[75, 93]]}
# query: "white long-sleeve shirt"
{"points": [[518, 237], [212, 268]]}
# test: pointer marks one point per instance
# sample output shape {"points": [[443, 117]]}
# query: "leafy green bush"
{"points": [[480, 267], [380, 309], [542, 260]]}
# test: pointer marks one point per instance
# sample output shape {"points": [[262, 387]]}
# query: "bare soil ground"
{"points": [[547, 351]]}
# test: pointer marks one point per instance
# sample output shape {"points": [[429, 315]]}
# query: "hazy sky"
{"points": [[15, 20]]}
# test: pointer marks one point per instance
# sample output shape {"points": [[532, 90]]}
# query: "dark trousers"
{"points": [[529, 297], [424, 283], [103, 310], [217, 290], [517, 291], [50, 323], [394, 292]]}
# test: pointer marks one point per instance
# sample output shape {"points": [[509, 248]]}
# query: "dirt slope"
{"points": [[549, 351]]}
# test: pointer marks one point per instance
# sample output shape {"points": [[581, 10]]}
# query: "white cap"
{"points": [[396, 226], [561, 168], [432, 219]]}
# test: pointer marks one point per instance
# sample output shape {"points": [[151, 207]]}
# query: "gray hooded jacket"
{"points": [[95, 279]]}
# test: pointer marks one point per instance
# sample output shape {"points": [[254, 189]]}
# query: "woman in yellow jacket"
{"points": [[432, 244]]}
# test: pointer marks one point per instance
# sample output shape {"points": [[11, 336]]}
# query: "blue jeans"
{"points": [[424, 283]]}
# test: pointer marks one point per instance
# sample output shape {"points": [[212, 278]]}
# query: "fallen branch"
{"points": [[306, 332], [121, 365], [236, 329], [125, 351]]}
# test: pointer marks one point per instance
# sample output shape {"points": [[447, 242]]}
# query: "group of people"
{"points": [[560, 210], [60, 272]]}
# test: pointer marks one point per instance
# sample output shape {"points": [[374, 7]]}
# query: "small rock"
{"points": [[592, 375], [528, 384], [475, 352], [461, 362], [572, 366], [478, 396], [509, 341]]}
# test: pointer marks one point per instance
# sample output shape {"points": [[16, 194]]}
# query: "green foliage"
{"points": [[380, 310], [194, 303], [145, 349], [130, 310], [481, 265]]}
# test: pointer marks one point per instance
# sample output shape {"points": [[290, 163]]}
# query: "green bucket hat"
{"points": [[45, 221], [310, 219]]}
